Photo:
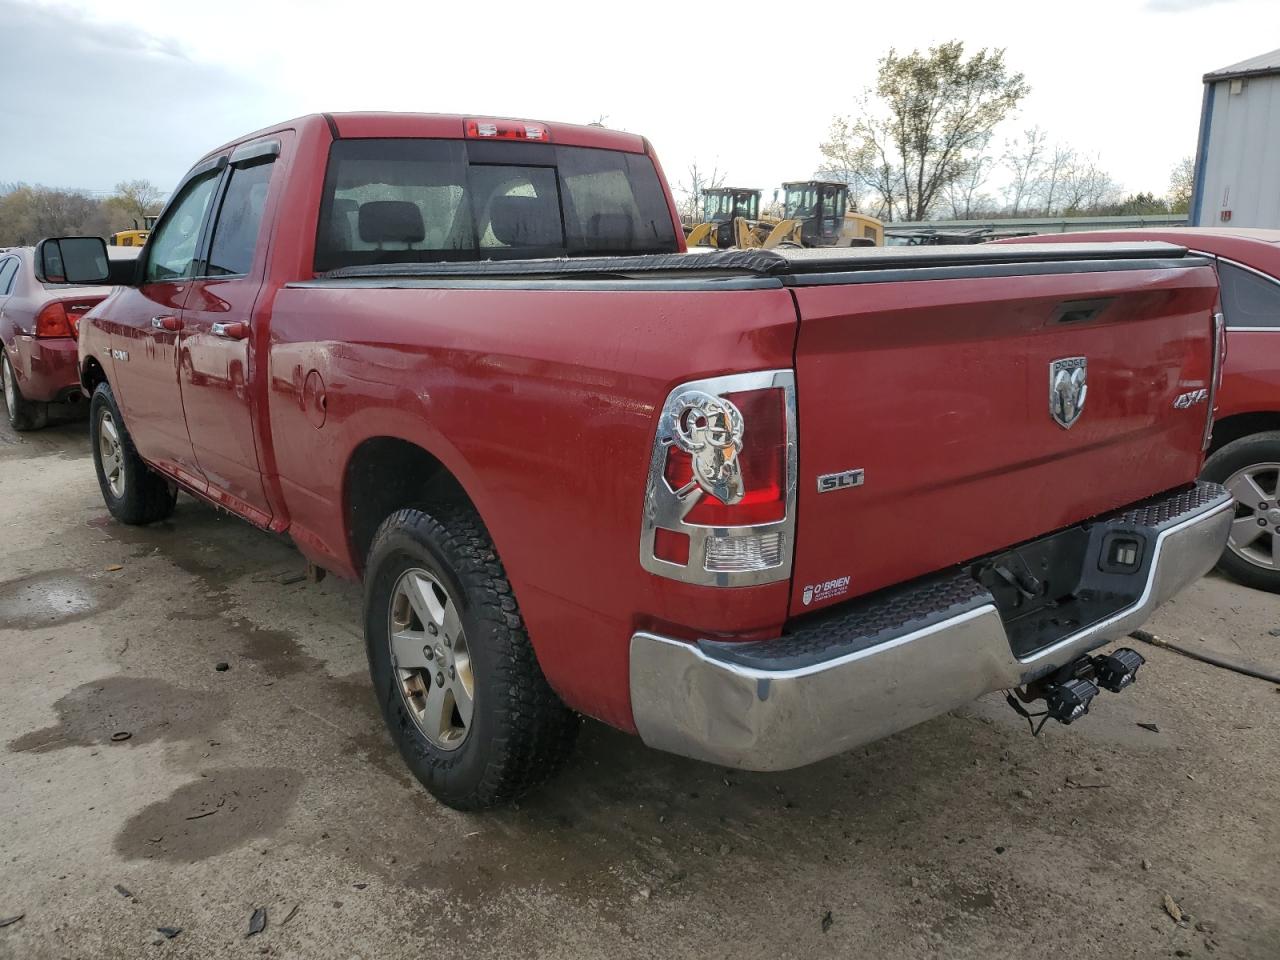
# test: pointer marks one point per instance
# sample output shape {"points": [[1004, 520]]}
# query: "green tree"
{"points": [[137, 198], [1181, 182], [924, 124]]}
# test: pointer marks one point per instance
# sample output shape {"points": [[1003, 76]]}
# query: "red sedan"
{"points": [[1245, 453], [39, 323]]}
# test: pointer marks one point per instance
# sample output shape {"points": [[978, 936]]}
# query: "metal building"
{"points": [[1237, 172]]}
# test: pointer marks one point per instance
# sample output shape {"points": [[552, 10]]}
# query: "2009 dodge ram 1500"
{"points": [[756, 507]]}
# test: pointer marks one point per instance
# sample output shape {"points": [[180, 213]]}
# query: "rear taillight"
{"points": [[61, 318], [762, 463], [52, 321], [720, 501], [507, 130]]}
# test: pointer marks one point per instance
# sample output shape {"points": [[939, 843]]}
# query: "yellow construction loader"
{"points": [[727, 215], [135, 237], [814, 215], [815, 211]]}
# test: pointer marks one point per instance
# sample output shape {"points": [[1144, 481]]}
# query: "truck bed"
{"points": [[928, 370]]}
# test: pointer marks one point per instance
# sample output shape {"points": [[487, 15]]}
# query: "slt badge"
{"points": [[1068, 387], [709, 429]]}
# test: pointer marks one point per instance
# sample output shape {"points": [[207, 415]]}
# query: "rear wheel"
{"points": [[133, 492], [24, 414], [457, 680], [1250, 470]]}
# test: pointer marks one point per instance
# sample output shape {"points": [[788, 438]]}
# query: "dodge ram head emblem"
{"points": [[709, 429], [1068, 386]]}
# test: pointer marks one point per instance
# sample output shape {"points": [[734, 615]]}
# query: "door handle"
{"points": [[237, 330], [172, 324]]}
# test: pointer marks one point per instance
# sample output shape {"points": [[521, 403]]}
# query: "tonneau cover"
{"points": [[775, 263]]}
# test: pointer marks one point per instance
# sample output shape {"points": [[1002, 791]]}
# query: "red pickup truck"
{"points": [[757, 507]]}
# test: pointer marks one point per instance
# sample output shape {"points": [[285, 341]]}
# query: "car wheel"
{"points": [[455, 675], [1250, 470], [133, 492], [24, 414]]}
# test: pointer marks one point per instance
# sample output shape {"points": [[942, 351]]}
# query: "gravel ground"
{"points": [[271, 784]]}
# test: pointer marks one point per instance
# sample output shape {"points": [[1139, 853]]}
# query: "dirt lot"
{"points": [[271, 784]]}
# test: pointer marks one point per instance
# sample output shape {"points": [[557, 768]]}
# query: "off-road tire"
{"points": [[1259, 448], [24, 414], [147, 497], [520, 732]]}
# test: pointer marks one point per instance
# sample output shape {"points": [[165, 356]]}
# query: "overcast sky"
{"points": [[99, 92]]}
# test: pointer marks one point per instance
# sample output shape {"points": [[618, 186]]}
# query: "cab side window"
{"points": [[171, 249], [235, 234], [1248, 300]]}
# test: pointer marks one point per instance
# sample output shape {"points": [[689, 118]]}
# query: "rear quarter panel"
{"points": [[543, 402]]}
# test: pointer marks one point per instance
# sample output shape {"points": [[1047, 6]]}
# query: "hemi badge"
{"points": [[839, 481]]}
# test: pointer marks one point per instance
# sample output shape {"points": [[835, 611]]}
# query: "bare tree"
{"points": [[1055, 169], [137, 198], [1181, 184], [847, 159], [1025, 159], [30, 213], [690, 190], [1086, 186], [964, 196]]}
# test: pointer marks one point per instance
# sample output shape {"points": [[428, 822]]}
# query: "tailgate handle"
{"points": [[1078, 311]]}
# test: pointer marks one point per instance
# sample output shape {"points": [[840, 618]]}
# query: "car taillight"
{"points": [[720, 502], [61, 318], [507, 130], [52, 321]]}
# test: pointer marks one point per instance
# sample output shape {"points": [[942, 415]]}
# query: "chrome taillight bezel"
{"points": [[1215, 375], [663, 509]]}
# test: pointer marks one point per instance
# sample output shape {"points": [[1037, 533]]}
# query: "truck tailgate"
{"points": [[936, 384]]}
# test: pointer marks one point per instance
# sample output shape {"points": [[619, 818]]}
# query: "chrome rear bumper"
{"points": [[921, 653]]}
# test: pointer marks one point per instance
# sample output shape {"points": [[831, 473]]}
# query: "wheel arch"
{"points": [[1239, 425], [387, 473], [92, 373]]}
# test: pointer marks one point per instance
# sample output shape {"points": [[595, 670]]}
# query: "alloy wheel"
{"points": [[111, 453], [431, 658], [1255, 533], [10, 390]]}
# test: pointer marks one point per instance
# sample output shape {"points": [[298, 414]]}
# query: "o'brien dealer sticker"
{"points": [[828, 590]]}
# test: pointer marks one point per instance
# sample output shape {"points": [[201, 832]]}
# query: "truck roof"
{"points": [[368, 124]]}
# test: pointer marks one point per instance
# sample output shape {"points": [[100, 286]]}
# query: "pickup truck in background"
{"points": [[757, 507]]}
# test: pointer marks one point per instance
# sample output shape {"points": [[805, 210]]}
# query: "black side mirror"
{"points": [[80, 261]]}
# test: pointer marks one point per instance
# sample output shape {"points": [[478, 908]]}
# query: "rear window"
{"points": [[1248, 299], [8, 270], [421, 201]]}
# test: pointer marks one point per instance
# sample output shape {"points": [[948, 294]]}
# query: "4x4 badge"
{"points": [[1068, 387]]}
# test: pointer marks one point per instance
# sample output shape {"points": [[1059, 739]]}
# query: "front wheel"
{"points": [[23, 414], [457, 680], [1250, 470], [134, 494]]}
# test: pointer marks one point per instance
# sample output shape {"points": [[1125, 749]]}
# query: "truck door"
{"points": [[145, 326], [216, 363]]}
